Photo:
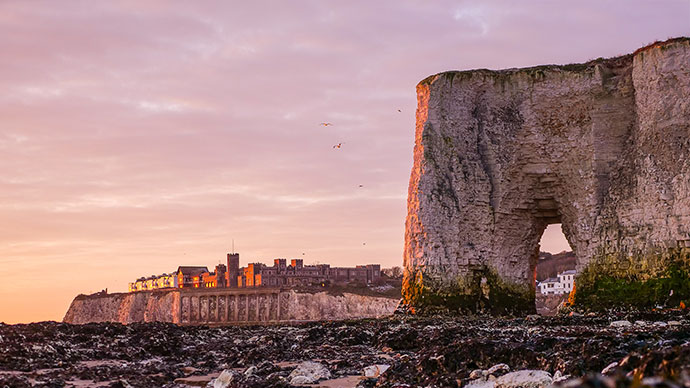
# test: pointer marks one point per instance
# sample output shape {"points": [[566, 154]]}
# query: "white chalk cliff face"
{"points": [[602, 148], [160, 306], [166, 306]]}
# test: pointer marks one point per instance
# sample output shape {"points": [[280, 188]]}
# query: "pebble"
{"points": [[559, 377], [300, 380], [620, 323], [375, 370], [223, 381], [525, 379], [499, 370], [440, 358], [609, 368]]}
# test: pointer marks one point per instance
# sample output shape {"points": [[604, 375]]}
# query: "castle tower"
{"points": [[233, 269], [221, 277]]}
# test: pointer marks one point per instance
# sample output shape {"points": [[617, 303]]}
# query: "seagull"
{"points": [[325, 124], [338, 145]]}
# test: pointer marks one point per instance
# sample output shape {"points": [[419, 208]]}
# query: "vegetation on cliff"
{"points": [[655, 279], [479, 292]]}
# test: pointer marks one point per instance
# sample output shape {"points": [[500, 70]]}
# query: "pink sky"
{"points": [[138, 136]]}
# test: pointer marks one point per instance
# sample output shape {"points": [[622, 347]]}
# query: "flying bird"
{"points": [[399, 111], [338, 145], [325, 124], [361, 185]]}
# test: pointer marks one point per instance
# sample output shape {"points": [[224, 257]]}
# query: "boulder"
{"points": [[524, 379], [308, 372]]}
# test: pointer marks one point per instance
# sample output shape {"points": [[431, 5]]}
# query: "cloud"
{"points": [[474, 16], [137, 136]]}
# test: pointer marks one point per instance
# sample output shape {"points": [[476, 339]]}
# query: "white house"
{"points": [[153, 282], [567, 280], [563, 284]]}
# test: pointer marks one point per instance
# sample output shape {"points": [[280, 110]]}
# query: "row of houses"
{"points": [[192, 276], [563, 283], [281, 274], [153, 282]]}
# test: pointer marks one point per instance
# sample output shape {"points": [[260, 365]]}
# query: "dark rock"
{"points": [[436, 351]]}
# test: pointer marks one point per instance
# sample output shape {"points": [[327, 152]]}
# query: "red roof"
{"points": [[191, 270]]}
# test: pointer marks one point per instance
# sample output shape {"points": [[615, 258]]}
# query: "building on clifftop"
{"points": [[190, 276], [297, 274], [281, 274]]}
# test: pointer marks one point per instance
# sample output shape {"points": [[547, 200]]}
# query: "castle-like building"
{"points": [[281, 274]]}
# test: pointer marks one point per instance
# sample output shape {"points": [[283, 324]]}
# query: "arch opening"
{"points": [[555, 270]]}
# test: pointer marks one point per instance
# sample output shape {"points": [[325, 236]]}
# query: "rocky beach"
{"points": [[631, 349]]}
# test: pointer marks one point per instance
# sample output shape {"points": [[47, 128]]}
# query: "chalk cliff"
{"points": [[153, 306], [601, 147], [322, 305], [221, 306]]}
